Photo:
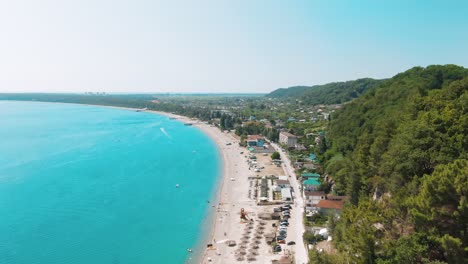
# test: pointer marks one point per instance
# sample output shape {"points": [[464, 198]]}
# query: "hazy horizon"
{"points": [[220, 46]]}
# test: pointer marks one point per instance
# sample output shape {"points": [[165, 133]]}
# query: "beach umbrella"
{"points": [[245, 239], [241, 251], [262, 223], [240, 258], [250, 227], [258, 237], [251, 258], [243, 246], [253, 245], [261, 227], [257, 241]]}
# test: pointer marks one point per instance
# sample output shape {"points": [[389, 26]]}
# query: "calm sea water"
{"points": [[85, 184]]}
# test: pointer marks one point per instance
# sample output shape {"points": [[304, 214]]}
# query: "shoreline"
{"points": [[219, 139], [232, 193]]}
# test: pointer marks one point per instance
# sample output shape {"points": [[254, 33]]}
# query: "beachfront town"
{"points": [[289, 201], [325, 176]]}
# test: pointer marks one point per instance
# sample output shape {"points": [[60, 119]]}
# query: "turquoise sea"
{"points": [[95, 185]]}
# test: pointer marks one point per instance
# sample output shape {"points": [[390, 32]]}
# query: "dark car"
{"points": [[287, 206], [284, 224], [290, 243], [277, 248]]}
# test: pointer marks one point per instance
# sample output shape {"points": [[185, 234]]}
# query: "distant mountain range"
{"points": [[330, 93]]}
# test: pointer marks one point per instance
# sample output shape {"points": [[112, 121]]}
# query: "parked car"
{"points": [[281, 238], [277, 248], [290, 243], [281, 241], [287, 206], [284, 224], [276, 209], [283, 228]]}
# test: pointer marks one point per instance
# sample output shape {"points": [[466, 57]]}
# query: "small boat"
{"points": [[177, 185]]}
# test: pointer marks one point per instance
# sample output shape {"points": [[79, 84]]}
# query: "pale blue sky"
{"points": [[220, 46]]}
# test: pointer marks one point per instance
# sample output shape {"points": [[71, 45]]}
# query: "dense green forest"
{"points": [[331, 93], [400, 153]]}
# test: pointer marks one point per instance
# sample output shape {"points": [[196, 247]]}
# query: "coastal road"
{"points": [[301, 256]]}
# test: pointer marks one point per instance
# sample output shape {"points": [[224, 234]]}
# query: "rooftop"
{"points": [[255, 137], [286, 193], [287, 134], [311, 193], [282, 182], [311, 181], [312, 156], [330, 204], [310, 175]]}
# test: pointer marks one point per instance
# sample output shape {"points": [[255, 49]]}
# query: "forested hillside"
{"points": [[331, 93], [400, 153]]}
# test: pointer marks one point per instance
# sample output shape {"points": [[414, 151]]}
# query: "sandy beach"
{"points": [[233, 195], [237, 186]]}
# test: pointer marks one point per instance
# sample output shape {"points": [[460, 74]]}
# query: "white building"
{"points": [[286, 194], [287, 139], [284, 178], [313, 198]]}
